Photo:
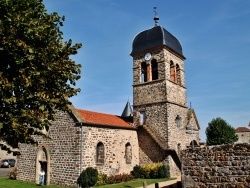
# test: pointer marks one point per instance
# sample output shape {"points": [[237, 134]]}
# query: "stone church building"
{"points": [[156, 130]]}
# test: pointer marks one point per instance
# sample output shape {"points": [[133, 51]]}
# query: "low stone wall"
{"points": [[216, 166]]}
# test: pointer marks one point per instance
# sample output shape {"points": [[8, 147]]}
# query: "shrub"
{"points": [[154, 170], [138, 172], [92, 175], [102, 179], [163, 172], [88, 177]]}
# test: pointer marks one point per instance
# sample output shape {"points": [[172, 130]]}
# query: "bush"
{"points": [[154, 170], [92, 175], [163, 172], [138, 172], [88, 177], [119, 178], [103, 179]]}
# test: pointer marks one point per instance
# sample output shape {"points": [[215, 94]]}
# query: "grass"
{"points": [[134, 183], [7, 183]]}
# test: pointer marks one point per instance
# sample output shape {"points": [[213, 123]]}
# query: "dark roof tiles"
{"points": [[127, 112], [154, 37]]}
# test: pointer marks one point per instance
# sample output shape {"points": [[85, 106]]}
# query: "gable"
{"points": [[192, 120]]}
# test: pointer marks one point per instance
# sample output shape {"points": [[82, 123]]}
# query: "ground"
{"points": [[5, 171]]}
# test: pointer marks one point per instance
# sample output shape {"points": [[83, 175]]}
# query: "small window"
{"points": [[172, 72], [100, 153], [179, 148], [178, 121], [144, 72], [178, 72], [142, 118], [128, 153], [154, 65]]}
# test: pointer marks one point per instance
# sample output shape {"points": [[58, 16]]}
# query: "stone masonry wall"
{"points": [[218, 166], [62, 154], [114, 141]]}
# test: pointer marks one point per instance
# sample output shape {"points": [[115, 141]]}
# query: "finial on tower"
{"points": [[156, 18]]}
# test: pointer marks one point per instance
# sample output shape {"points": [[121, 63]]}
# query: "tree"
{"points": [[37, 76], [220, 132]]}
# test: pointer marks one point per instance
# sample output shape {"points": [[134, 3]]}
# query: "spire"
{"points": [[127, 110], [156, 18]]}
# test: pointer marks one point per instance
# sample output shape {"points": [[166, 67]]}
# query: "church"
{"points": [[156, 129]]}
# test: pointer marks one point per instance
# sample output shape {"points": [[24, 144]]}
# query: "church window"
{"points": [[100, 153], [178, 72], [154, 69], [142, 118], [128, 153], [179, 148], [172, 72], [143, 72], [178, 121]]}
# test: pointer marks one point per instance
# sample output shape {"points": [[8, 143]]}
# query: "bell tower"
{"points": [[159, 97]]}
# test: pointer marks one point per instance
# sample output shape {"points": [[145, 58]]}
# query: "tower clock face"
{"points": [[147, 56]]}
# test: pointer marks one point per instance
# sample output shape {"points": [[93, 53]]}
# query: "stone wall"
{"points": [[114, 141], [61, 152], [218, 166]]}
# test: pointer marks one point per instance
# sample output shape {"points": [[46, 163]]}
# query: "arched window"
{"points": [[128, 153], [144, 72], [178, 148], [142, 118], [172, 72], [100, 153], [178, 121], [178, 72], [154, 65]]}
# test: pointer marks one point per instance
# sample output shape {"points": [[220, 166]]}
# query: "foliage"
{"points": [[154, 170], [119, 178], [138, 172], [220, 132], [88, 177], [13, 174], [103, 179], [37, 76]]}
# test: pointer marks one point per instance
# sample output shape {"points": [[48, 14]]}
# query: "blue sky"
{"points": [[215, 37]]}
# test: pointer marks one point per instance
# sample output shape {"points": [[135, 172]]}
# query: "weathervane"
{"points": [[156, 18]]}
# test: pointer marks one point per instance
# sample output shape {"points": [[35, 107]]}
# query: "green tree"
{"points": [[220, 132], [37, 76]]}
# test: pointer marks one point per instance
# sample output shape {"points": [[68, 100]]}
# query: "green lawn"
{"points": [[7, 183], [134, 183]]}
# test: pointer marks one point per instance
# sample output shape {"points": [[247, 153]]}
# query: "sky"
{"points": [[215, 38]]}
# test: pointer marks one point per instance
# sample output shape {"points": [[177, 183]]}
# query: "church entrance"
{"points": [[42, 164]]}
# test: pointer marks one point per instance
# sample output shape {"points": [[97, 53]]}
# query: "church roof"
{"points": [[156, 36], [97, 118], [127, 110], [242, 129]]}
